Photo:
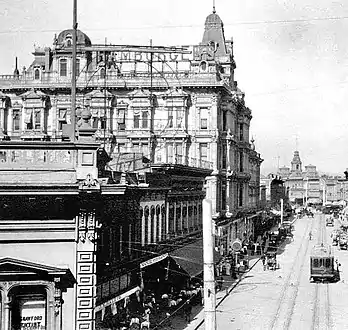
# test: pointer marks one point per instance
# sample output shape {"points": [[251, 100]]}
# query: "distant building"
{"points": [[275, 189], [305, 186]]}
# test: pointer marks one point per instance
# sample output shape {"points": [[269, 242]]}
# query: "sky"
{"points": [[291, 59]]}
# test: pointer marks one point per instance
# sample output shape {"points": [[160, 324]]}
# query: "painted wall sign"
{"points": [[128, 56], [154, 260]]}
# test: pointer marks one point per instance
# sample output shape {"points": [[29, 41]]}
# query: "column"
{"points": [[86, 269], [2, 117], [228, 194], [130, 239], [149, 228], [160, 224], [181, 218], [42, 119], [143, 228], [187, 219], [154, 220], [120, 241], [54, 304], [167, 221], [7, 311], [174, 222], [10, 121]]}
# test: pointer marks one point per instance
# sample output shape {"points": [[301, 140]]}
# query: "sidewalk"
{"points": [[228, 285], [178, 321]]}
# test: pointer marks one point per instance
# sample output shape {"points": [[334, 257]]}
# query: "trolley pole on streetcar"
{"points": [[209, 277]]}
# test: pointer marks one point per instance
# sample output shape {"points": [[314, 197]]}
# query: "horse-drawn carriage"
{"points": [[271, 260]]}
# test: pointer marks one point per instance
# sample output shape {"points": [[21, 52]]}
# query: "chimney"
{"points": [[47, 59]]}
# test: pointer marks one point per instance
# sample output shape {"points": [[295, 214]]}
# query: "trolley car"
{"points": [[322, 264]]}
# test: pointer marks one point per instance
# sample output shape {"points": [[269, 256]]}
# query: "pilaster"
{"points": [[86, 269]]}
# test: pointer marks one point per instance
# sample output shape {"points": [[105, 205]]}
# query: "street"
{"points": [[285, 298]]}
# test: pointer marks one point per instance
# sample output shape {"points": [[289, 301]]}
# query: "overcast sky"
{"points": [[291, 59]]}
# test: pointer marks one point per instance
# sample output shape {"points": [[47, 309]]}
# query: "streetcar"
{"points": [[322, 264]]}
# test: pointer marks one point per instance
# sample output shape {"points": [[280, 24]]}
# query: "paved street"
{"points": [[285, 298]]}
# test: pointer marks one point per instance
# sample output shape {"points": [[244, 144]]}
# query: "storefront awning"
{"points": [[116, 299], [190, 258]]}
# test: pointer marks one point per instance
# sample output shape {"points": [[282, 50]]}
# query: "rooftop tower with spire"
{"points": [[215, 48], [296, 164]]}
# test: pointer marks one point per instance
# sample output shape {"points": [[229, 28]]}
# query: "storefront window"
{"points": [[29, 309]]}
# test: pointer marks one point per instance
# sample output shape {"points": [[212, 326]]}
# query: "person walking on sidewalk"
{"points": [[263, 259]]}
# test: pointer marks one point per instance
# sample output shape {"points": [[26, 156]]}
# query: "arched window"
{"points": [[28, 301], [203, 66], [147, 224], [145, 117], [102, 73], [37, 74]]}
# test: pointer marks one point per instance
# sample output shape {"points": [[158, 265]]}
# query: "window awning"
{"points": [[190, 258]]}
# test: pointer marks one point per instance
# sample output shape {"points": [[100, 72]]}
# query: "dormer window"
{"points": [[68, 40], [203, 66], [36, 73]]}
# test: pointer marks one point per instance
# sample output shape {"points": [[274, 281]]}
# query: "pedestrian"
{"points": [[188, 310], [263, 259]]}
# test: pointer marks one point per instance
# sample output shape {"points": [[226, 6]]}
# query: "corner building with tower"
{"points": [[159, 129]]}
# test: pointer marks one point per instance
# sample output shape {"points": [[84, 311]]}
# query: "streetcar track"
{"points": [[315, 318], [328, 307], [321, 299], [286, 286], [294, 295]]}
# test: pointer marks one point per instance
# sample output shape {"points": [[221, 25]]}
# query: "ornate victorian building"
{"points": [[167, 119]]}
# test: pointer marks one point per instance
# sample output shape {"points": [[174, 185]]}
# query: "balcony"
{"points": [[133, 161], [188, 161], [127, 79]]}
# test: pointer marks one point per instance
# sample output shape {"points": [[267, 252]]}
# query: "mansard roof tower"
{"points": [[215, 47]]}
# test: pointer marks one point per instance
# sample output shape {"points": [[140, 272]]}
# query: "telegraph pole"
{"points": [[281, 210], [209, 278], [73, 74]]}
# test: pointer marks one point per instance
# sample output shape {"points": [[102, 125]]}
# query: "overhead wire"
{"points": [[163, 26]]}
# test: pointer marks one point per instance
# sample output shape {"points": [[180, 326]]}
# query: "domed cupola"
{"points": [[65, 39]]}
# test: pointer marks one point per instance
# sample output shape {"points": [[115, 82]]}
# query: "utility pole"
{"points": [[209, 278], [281, 210], [152, 111], [73, 74]]}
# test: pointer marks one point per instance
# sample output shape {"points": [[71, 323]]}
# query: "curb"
{"points": [[230, 289]]}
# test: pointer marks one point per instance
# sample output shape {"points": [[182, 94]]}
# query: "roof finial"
{"points": [[214, 11]]}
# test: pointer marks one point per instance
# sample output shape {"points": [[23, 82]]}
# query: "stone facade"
{"points": [[173, 118], [178, 105]]}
